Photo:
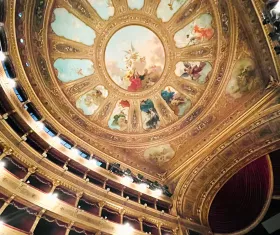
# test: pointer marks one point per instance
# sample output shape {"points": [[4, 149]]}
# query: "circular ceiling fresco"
{"points": [[122, 73], [135, 58], [138, 65]]}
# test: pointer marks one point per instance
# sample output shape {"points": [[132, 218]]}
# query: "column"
{"points": [[44, 154], [31, 170], [65, 165], [38, 217], [6, 204], [155, 204], [107, 165], [69, 228], [25, 102], [139, 197], [159, 228], [122, 192], [6, 152], [141, 223], [6, 115], [24, 137], [85, 175], [121, 211], [79, 196], [55, 184], [104, 184], [101, 205]]}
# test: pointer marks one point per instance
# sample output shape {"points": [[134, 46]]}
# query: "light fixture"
{"points": [[53, 195], [127, 179], [2, 164], [2, 56], [125, 229], [1, 223], [143, 186], [56, 139], [92, 162], [157, 192], [40, 125], [75, 151], [12, 83]]}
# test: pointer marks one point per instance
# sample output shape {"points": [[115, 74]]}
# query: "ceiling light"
{"points": [[12, 83], [2, 56], [41, 125], [53, 195], [56, 139], [143, 186], [92, 162], [75, 151], [127, 180], [2, 164], [157, 192], [125, 229]]}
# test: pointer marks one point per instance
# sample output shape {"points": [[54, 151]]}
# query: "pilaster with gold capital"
{"points": [[70, 225], [7, 203], [78, 197], [140, 219], [101, 205], [6, 152], [122, 212], [56, 183], [38, 217], [31, 170]]}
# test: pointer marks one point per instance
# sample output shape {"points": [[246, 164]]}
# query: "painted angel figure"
{"points": [[193, 71]]}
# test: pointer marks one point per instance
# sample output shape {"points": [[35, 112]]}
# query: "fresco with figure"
{"points": [[150, 118], [244, 78], [135, 4], [159, 154], [176, 101], [89, 102], [198, 31], [68, 70], [104, 8], [119, 117], [66, 25], [135, 58], [196, 71], [167, 8]]}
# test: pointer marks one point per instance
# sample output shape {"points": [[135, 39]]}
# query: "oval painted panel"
{"points": [[89, 102], [73, 69], [244, 78], [119, 117], [200, 30], [176, 101], [67, 25], [196, 71], [150, 118], [135, 58]]}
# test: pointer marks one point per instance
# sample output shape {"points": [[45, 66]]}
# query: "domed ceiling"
{"points": [[147, 83]]}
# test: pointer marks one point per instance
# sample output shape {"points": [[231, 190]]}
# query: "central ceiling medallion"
{"points": [[135, 58]]}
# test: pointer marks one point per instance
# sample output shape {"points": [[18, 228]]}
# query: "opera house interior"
{"points": [[181, 137]]}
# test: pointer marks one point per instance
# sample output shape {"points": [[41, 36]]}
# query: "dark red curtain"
{"points": [[241, 200], [275, 161]]}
